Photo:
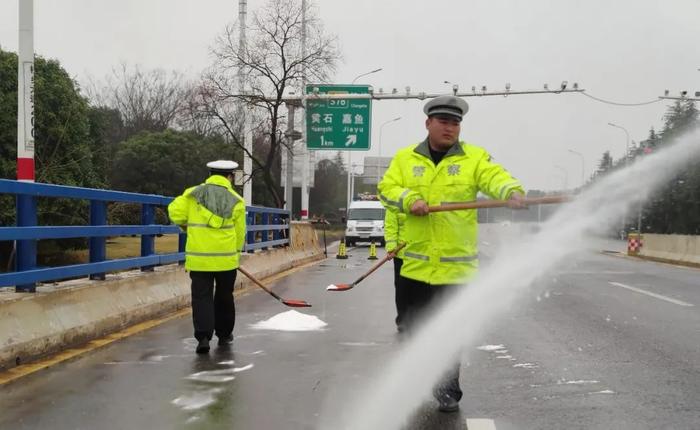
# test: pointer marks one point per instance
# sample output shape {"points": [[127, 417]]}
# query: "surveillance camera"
{"points": [[684, 93], [563, 85], [507, 86]]}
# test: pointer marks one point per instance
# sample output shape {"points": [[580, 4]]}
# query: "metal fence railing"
{"points": [[267, 228]]}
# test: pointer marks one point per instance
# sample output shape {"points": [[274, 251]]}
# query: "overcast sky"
{"points": [[626, 51]]}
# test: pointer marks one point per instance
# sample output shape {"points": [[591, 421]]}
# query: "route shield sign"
{"points": [[338, 124]]}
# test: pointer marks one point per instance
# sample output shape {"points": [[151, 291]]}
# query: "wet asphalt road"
{"points": [[582, 353]]}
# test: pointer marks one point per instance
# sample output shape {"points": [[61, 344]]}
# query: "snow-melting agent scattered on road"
{"points": [[490, 347], [291, 321]]}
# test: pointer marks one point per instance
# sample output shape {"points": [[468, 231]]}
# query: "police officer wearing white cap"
{"points": [[441, 252], [213, 215]]}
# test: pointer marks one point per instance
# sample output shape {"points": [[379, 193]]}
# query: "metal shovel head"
{"points": [[338, 287], [297, 303]]}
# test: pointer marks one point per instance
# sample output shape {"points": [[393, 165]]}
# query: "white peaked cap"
{"points": [[222, 165]]}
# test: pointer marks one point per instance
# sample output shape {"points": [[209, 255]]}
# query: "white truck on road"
{"points": [[365, 222]]}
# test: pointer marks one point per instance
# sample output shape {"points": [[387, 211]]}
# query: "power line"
{"points": [[620, 104]]}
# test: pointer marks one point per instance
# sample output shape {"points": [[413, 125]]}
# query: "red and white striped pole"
{"points": [[25, 93]]}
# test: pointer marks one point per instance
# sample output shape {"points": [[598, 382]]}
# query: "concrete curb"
{"points": [[669, 262], [72, 313]]}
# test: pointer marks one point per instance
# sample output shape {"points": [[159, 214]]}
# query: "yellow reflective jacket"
{"points": [[442, 247], [393, 230], [214, 216]]}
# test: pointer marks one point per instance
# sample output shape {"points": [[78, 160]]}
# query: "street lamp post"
{"points": [[379, 146], [624, 216], [626, 134], [583, 165], [566, 176], [347, 207], [365, 74]]}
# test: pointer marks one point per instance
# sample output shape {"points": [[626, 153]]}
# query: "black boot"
{"points": [[226, 340], [447, 403], [203, 346]]}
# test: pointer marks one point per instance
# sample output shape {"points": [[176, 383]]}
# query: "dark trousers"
{"points": [[417, 298], [213, 309], [398, 293]]}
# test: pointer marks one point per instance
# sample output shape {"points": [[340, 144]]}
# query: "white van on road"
{"points": [[365, 222]]}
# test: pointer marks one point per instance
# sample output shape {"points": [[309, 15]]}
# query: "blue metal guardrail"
{"points": [[266, 228]]}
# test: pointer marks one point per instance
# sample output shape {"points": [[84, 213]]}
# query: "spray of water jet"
{"points": [[402, 386]]}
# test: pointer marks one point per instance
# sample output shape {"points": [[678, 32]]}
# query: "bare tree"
{"points": [[148, 100], [194, 115], [271, 64]]}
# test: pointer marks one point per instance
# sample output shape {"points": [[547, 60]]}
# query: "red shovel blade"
{"points": [[339, 287], [296, 303]]}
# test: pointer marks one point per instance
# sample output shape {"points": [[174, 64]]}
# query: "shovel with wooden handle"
{"points": [[377, 265]]}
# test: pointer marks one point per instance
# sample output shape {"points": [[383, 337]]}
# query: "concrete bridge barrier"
{"points": [[63, 315], [671, 248]]}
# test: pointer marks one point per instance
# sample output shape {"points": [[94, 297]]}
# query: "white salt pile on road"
{"points": [[291, 321]]}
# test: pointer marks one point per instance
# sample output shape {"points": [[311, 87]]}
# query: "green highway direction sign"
{"points": [[338, 124]]}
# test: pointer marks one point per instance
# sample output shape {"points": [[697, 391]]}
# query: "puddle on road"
{"points": [[197, 400], [218, 376], [371, 343], [202, 398]]}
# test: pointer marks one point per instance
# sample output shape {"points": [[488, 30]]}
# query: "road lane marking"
{"points": [[650, 294], [480, 424]]}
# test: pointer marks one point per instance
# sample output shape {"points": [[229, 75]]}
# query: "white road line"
{"points": [[650, 294], [480, 424]]}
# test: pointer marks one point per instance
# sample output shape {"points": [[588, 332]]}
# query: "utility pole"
{"points": [[245, 129], [26, 204], [289, 178], [349, 191], [306, 153], [25, 93]]}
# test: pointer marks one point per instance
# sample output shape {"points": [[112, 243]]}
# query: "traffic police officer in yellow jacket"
{"points": [[441, 250], [213, 215]]}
